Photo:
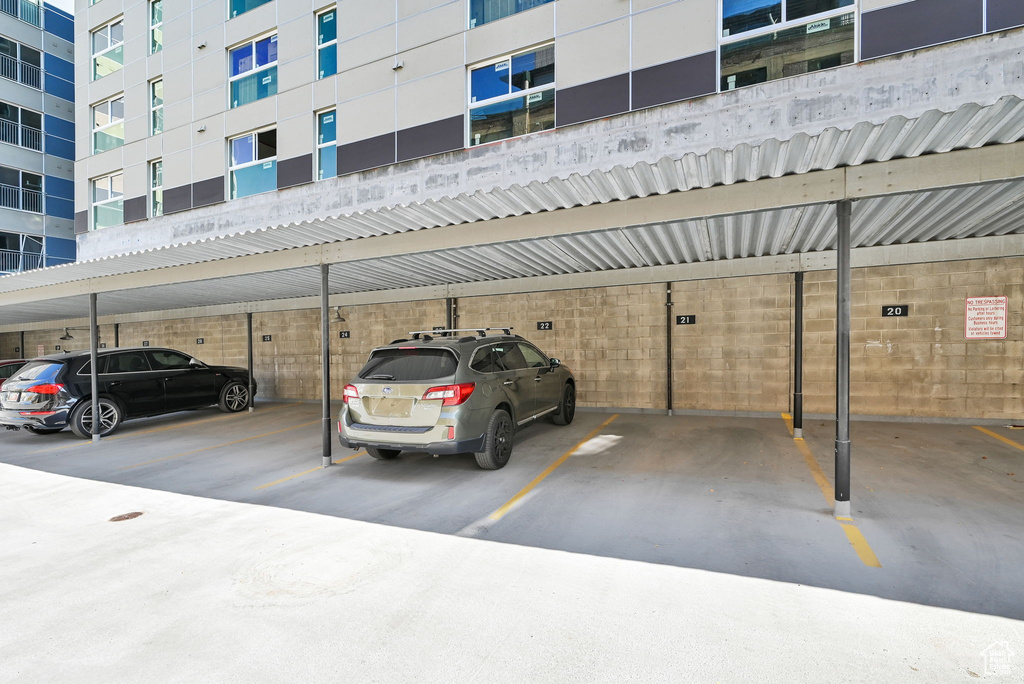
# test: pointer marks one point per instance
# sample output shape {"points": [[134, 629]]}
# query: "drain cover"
{"points": [[126, 516]]}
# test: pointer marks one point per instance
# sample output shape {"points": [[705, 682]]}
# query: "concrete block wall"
{"points": [[920, 365], [737, 357], [612, 338], [224, 337], [49, 340]]}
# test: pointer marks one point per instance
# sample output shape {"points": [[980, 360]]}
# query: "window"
{"points": [[512, 96], [327, 43], [243, 6], [21, 190], [253, 163], [165, 359], [20, 126], [483, 11], [107, 49], [254, 71], [763, 40], [534, 359], [127, 362], [326, 145], [19, 252], [410, 365], [156, 26], [108, 201], [29, 11], [108, 125], [156, 188], [20, 63], [156, 106]]}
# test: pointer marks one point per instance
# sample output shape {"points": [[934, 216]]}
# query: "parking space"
{"points": [[938, 506]]}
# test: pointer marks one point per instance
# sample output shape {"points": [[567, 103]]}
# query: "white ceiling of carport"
{"points": [[988, 210], [970, 126]]}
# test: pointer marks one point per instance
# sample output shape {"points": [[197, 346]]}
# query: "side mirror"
{"points": [[555, 363], [196, 363]]}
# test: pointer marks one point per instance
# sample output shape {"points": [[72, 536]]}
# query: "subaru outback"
{"points": [[446, 392]]}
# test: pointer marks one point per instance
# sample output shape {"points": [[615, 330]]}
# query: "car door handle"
{"points": [[508, 383], [537, 379]]}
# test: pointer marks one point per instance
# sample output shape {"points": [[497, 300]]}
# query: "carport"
{"points": [[941, 186]]}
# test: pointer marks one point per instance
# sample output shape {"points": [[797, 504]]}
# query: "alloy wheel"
{"points": [[237, 397]]}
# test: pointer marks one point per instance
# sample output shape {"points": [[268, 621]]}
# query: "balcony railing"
{"points": [[14, 133], [26, 10], [20, 198], [23, 72], [16, 262]]}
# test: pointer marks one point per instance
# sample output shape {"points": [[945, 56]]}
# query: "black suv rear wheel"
{"points": [[497, 443], [81, 417]]}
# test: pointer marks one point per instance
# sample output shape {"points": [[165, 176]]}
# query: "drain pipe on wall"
{"points": [[94, 333], [798, 356], [450, 315], [249, 361], [668, 346]]}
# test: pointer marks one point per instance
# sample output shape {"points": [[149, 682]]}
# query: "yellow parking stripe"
{"points": [[218, 446], [161, 429], [816, 472], [860, 545], [1002, 439], [788, 419], [853, 534], [311, 470], [500, 513]]}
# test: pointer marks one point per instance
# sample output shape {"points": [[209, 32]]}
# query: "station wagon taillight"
{"points": [[350, 392], [453, 395], [46, 389]]}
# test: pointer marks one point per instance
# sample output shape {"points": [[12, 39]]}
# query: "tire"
{"points": [[566, 408], [382, 454], [42, 430], [497, 442], [111, 416], [234, 397]]}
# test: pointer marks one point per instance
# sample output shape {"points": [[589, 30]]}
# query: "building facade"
{"points": [[596, 165], [37, 132]]}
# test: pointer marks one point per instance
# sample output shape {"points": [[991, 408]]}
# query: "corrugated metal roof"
{"points": [[996, 209], [971, 125]]}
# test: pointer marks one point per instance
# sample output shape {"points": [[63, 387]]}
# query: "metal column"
{"points": [[668, 346], [21, 349], [248, 330], [325, 347], [798, 356], [843, 209], [449, 308], [94, 334], [117, 335]]}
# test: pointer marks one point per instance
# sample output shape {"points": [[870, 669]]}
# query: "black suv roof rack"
{"points": [[480, 332]]}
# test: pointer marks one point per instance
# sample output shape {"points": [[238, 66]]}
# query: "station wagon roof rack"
{"points": [[480, 332]]}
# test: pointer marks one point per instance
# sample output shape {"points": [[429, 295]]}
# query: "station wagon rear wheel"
{"points": [[382, 454], [234, 397], [497, 442]]}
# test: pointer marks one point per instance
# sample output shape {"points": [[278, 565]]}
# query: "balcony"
{"points": [[28, 11], [20, 198], [16, 262], [22, 72], [14, 133]]}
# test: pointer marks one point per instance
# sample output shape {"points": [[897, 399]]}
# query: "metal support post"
{"points": [[117, 335], [843, 211], [21, 349], [325, 346], [668, 346], [449, 309], [94, 334], [798, 356], [249, 364]]}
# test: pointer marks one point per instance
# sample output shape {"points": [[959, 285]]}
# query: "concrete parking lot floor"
{"points": [[657, 547]]}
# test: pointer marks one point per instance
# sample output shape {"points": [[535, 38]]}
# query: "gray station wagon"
{"points": [[449, 392]]}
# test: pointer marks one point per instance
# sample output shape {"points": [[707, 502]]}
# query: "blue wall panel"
{"points": [[60, 208], [58, 87], [59, 23], [62, 128], [60, 187], [60, 68], [61, 248], [59, 147]]}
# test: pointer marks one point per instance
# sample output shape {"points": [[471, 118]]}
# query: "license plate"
{"points": [[386, 407]]}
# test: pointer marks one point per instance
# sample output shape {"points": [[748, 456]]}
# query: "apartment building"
{"points": [[36, 136], [589, 165]]}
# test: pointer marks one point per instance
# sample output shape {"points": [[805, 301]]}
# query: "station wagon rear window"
{"points": [[414, 364]]}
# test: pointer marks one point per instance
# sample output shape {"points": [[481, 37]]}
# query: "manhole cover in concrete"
{"points": [[126, 516]]}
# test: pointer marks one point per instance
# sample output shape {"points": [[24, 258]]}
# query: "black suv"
{"points": [[52, 392]]}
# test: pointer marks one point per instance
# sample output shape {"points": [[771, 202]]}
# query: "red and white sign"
{"points": [[985, 318]]}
